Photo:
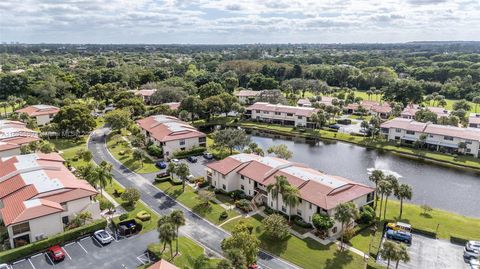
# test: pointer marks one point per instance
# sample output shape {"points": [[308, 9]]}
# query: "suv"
{"points": [[473, 253], [400, 235], [472, 245], [103, 237], [192, 159], [208, 155]]}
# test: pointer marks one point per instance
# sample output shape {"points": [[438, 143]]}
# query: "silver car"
{"points": [[472, 245], [4, 266], [474, 264], [103, 237], [473, 253]]}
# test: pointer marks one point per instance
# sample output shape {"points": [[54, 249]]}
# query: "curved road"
{"points": [[196, 227]]}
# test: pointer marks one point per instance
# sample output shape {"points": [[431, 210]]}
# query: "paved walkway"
{"points": [[204, 232]]}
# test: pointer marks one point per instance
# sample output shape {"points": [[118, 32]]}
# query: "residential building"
{"points": [[410, 110], [162, 264], [173, 105], [442, 138], [319, 192], [39, 196], [13, 135], [171, 134], [146, 94], [382, 110], [474, 121], [247, 96], [281, 114], [326, 100], [304, 103], [43, 114]]}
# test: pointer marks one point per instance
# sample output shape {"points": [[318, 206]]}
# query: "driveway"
{"points": [[427, 253], [204, 232]]}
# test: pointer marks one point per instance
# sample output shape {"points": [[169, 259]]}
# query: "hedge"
{"points": [[426, 232], [457, 239], [58, 239], [186, 153]]}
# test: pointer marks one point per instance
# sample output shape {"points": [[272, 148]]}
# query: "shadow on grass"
{"points": [[128, 207], [274, 246], [202, 209], [340, 260], [426, 215]]}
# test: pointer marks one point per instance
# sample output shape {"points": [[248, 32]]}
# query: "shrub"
{"points": [[425, 231], [105, 204], [124, 216], [154, 150], [191, 152], [268, 210], [322, 222], [203, 184], [118, 192], [457, 239], [143, 215], [238, 195], [300, 222], [61, 238], [276, 227], [244, 205], [131, 196], [367, 215], [161, 178], [220, 191], [224, 215]]}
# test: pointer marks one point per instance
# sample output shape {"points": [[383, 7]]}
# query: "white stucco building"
{"points": [[14, 134], [319, 192], [281, 114], [43, 114], [39, 196]]}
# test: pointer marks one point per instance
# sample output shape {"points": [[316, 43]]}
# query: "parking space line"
{"points": [[49, 259], [33, 266], [100, 244], [34, 256], [69, 244], [19, 261], [82, 247], [66, 253]]}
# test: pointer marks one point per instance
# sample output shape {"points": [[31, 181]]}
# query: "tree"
{"points": [[406, 91], [375, 177], [118, 119], [323, 223], [200, 262], [277, 188], [392, 187], [139, 155], [74, 119], [166, 234], [243, 240], [281, 151], [210, 89], [389, 251], [225, 264], [171, 169], [403, 192], [236, 257], [276, 227], [382, 188], [291, 198], [193, 105], [345, 213], [182, 171], [205, 196], [167, 94], [213, 105], [426, 209], [402, 255], [102, 175], [230, 138], [178, 219], [130, 196], [462, 104], [475, 100]]}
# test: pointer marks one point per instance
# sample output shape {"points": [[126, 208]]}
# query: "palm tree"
{"points": [[376, 176], [402, 255], [345, 213], [182, 171], [404, 191], [178, 219], [138, 155], [171, 169], [277, 187], [103, 176], [4, 105], [166, 234], [291, 198], [393, 186], [383, 185], [389, 251]]}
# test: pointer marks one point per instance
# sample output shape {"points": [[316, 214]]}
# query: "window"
{"points": [[278, 113], [242, 187], [258, 111], [449, 138], [468, 142], [266, 112], [202, 139], [290, 114], [299, 117], [410, 132], [299, 212], [242, 177], [310, 205], [398, 130], [21, 228], [334, 230], [182, 142], [284, 209], [224, 187], [65, 220]]}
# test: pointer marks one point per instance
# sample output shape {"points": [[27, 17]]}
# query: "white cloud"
{"points": [[220, 21]]}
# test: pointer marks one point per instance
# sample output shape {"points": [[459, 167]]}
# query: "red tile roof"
{"points": [[173, 105], [299, 111], [321, 189], [14, 134], [38, 110], [146, 92], [247, 93], [34, 185], [162, 264], [303, 102], [167, 128]]}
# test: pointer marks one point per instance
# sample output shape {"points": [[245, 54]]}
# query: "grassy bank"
{"points": [[68, 148], [461, 161]]}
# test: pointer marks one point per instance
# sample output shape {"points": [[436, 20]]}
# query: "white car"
{"points": [[472, 253], [175, 161], [190, 177], [4, 266], [472, 245], [474, 264], [103, 237]]}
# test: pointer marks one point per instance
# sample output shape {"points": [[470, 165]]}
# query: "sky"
{"points": [[238, 21]]}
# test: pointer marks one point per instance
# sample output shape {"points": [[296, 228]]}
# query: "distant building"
{"points": [[146, 94], [13, 135], [382, 110], [474, 121], [162, 264], [304, 103], [171, 134], [247, 96], [39, 196], [436, 137], [319, 192], [173, 105], [43, 114], [281, 114], [410, 110]]}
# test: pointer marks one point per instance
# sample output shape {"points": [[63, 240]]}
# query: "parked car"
{"points": [[254, 266], [474, 264], [103, 237], [190, 178], [4, 266], [472, 245], [334, 126], [175, 161], [161, 164], [473, 253], [56, 253], [399, 235], [192, 159], [396, 226], [208, 155]]}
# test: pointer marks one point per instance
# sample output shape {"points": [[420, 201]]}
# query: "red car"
{"points": [[56, 253]]}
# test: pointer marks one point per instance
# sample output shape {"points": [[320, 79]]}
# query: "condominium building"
{"points": [[13, 135], [443, 138], [247, 96], [303, 102], [171, 134], [411, 109], [382, 110], [474, 121], [319, 192], [43, 114], [39, 196], [145, 94], [281, 114]]}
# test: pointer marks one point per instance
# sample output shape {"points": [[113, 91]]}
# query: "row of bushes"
{"points": [[457, 239], [425, 231], [39, 246], [192, 152], [235, 195]]}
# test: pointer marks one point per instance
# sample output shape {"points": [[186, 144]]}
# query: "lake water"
{"points": [[451, 189]]}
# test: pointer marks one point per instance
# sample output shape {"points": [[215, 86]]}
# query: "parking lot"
{"points": [[87, 252], [429, 253]]}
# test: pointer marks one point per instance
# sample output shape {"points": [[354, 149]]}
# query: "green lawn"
{"points": [[363, 239], [307, 253], [190, 199], [132, 211], [188, 251], [450, 103], [69, 147], [127, 159]]}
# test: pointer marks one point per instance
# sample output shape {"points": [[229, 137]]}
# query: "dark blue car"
{"points": [[192, 159], [161, 165], [400, 236]]}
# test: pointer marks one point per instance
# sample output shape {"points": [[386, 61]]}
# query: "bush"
{"points": [[243, 205], [367, 215], [124, 216], [276, 227], [39, 246], [238, 195], [118, 192], [105, 204], [224, 215], [300, 222], [155, 151], [220, 191], [130, 196], [269, 210], [191, 152], [425, 231], [203, 184], [457, 239], [160, 178], [143, 216], [155, 249]]}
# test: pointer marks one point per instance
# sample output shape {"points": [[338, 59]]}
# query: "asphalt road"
{"points": [[202, 231]]}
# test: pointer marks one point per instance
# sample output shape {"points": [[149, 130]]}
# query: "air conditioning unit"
{"points": [[39, 237]]}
